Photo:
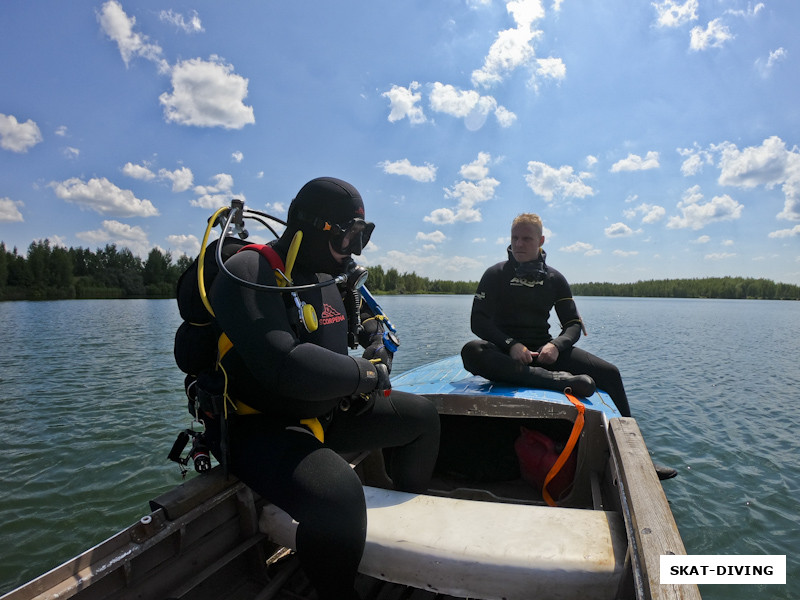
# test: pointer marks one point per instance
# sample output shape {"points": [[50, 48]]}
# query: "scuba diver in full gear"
{"points": [[300, 399]]}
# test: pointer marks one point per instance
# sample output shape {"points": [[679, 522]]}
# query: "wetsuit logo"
{"points": [[330, 315], [480, 296], [518, 282]]}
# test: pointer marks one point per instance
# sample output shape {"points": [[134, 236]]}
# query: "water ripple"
{"points": [[90, 402]]}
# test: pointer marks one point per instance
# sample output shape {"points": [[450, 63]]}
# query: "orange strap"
{"points": [[577, 427]]}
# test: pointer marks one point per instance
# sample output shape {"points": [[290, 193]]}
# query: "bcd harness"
{"points": [[307, 317]]}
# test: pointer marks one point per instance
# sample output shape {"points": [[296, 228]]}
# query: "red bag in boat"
{"points": [[537, 454]]}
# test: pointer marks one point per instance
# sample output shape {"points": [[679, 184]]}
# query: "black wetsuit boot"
{"points": [[580, 385]]}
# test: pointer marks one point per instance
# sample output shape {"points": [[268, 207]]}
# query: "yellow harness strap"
{"points": [[577, 427], [315, 427], [224, 346]]}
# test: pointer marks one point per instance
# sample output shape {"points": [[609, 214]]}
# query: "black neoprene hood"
{"points": [[325, 199]]}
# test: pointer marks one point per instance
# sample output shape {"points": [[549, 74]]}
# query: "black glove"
{"points": [[362, 403], [377, 350], [384, 384]]}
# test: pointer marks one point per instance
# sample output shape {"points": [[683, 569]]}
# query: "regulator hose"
{"points": [[232, 212]]}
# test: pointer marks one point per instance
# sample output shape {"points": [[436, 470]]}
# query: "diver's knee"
{"points": [[419, 410], [470, 354]]}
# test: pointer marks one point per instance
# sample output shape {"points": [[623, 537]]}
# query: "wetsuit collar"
{"points": [[532, 269]]}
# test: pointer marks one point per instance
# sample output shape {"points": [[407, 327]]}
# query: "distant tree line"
{"points": [[707, 287], [56, 273], [394, 282], [49, 272]]}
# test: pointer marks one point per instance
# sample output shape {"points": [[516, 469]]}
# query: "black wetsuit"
{"points": [[512, 304], [288, 374]]}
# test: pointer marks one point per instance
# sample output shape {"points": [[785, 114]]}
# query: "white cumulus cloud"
{"points": [[468, 105], [207, 93], [186, 244], [581, 247], [16, 136], [513, 48], [138, 172], [674, 14], [424, 173], [775, 57], [475, 188], [436, 237], [554, 183], [784, 233], [650, 213], [769, 164], [118, 26], [696, 214], [9, 211], [181, 178], [102, 196], [404, 103], [618, 230], [713, 36], [214, 196], [191, 24], [113, 232], [551, 68], [695, 159], [634, 162]]}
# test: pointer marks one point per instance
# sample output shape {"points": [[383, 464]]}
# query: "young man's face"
{"points": [[526, 239]]}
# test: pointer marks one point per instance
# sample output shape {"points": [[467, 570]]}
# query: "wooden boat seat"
{"points": [[524, 551]]}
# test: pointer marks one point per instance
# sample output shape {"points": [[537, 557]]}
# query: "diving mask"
{"points": [[345, 238], [351, 237]]}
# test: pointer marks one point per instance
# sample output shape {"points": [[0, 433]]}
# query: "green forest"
{"points": [[708, 287], [50, 272], [55, 273]]}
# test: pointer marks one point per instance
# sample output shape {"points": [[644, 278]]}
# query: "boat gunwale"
{"points": [[117, 552], [629, 473]]}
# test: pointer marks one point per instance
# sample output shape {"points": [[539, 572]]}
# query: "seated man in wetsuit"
{"points": [[288, 380], [510, 313]]}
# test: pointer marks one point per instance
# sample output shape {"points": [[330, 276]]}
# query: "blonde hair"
{"points": [[530, 219]]}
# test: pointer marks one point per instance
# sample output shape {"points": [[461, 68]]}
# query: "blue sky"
{"points": [[656, 139]]}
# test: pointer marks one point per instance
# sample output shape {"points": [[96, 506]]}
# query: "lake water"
{"points": [[91, 401]]}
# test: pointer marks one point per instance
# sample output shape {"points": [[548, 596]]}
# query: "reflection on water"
{"points": [[90, 402]]}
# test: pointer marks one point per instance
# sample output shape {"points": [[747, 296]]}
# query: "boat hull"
{"points": [[481, 531]]}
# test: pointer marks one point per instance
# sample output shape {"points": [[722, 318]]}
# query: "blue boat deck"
{"points": [[448, 376]]}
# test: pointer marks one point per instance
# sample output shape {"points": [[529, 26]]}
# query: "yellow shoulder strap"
{"points": [[224, 345]]}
